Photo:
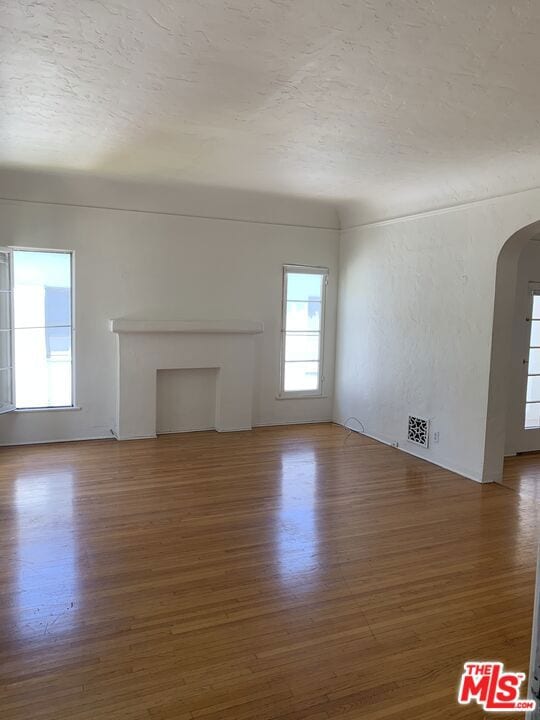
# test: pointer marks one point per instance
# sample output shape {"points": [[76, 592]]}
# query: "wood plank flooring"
{"points": [[286, 573], [522, 474]]}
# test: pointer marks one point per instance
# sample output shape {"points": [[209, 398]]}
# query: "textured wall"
{"points": [[415, 324]]}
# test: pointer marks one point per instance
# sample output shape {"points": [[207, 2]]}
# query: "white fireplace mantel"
{"points": [[248, 327], [146, 346]]}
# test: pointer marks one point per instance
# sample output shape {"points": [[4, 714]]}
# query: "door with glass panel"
{"points": [[532, 401], [6, 336]]}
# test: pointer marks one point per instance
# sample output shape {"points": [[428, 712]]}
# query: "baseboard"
{"points": [[277, 423], [180, 432], [59, 440], [410, 451], [234, 429]]}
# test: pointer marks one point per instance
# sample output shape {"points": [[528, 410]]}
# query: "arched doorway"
{"points": [[501, 349]]}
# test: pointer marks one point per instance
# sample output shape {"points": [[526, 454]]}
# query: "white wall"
{"points": [[159, 265], [517, 438], [415, 319]]}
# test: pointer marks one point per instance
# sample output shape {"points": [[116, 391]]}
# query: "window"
{"points": [[6, 344], [36, 329], [532, 404], [304, 290]]}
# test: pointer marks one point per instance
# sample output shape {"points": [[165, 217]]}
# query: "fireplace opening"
{"points": [[185, 400]]}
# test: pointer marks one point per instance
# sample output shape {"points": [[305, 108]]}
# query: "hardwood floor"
{"points": [[522, 474], [282, 573]]}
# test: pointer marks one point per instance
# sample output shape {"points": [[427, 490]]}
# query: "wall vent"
{"points": [[418, 431]]}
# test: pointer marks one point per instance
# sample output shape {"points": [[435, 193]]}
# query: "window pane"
{"points": [[304, 286], [533, 388], [5, 349], [4, 271], [300, 346], [536, 307], [303, 316], [535, 332], [43, 367], [301, 376], [534, 362], [5, 387], [42, 285], [532, 415], [5, 312], [42, 312]]}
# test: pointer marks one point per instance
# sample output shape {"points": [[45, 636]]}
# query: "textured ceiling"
{"points": [[399, 105]]}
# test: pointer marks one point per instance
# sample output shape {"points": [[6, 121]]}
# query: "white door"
{"points": [[6, 332]]}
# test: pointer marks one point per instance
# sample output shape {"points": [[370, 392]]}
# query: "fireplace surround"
{"points": [[146, 346]]}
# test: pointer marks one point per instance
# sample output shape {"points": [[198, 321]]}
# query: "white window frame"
{"points": [[13, 249], [308, 270], [10, 406]]}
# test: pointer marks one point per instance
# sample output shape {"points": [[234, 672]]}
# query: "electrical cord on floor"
{"points": [[351, 430]]}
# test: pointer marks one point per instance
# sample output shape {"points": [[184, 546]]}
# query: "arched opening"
{"points": [[507, 285]]}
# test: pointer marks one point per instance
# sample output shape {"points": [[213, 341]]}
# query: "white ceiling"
{"points": [[398, 105]]}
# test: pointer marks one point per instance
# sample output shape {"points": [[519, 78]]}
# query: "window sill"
{"points": [[47, 409], [300, 396]]}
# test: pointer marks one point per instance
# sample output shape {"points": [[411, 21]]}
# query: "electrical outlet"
{"points": [[436, 437]]}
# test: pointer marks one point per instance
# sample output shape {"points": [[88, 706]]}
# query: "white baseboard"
{"points": [[204, 429], [277, 423], [180, 432], [58, 440]]}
